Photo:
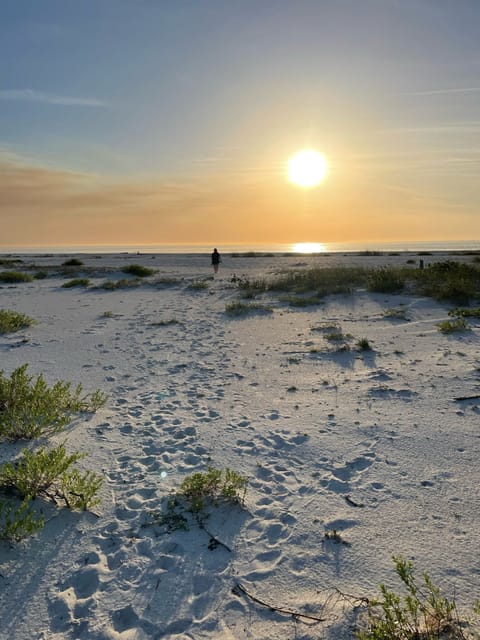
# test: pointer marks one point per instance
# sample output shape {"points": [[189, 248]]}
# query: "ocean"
{"points": [[302, 247]]}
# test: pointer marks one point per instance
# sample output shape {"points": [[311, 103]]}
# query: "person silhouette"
{"points": [[216, 259]]}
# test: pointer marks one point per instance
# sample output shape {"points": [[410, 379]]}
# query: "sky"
{"points": [[172, 121]]}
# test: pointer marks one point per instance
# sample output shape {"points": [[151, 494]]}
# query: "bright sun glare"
{"points": [[307, 168]]}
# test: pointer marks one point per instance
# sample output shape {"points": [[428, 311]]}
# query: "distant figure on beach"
{"points": [[215, 260]]}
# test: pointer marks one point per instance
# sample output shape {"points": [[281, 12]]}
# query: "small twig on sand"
{"points": [[238, 588], [459, 399], [352, 503]]}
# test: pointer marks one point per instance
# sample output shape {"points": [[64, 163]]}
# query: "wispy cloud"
{"points": [[436, 92], [32, 95]]}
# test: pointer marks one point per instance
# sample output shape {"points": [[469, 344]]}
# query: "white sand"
{"points": [[272, 399]]}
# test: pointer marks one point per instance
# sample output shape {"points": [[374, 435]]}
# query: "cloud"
{"points": [[437, 92], [32, 95]]}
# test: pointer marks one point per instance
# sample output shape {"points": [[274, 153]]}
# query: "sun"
{"points": [[307, 168]]}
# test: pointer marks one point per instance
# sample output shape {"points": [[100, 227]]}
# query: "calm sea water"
{"points": [[314, 247]]}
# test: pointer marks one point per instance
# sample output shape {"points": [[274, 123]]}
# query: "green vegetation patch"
{"points": [[138, 270], [453, 326], [238, 308], [13, 277], [76, 282], [47, 473], [421, 613], [11, 321], [123, 283], [29, 408]]}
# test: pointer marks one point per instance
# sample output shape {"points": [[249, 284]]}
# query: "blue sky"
{"points": [[190, 110]]}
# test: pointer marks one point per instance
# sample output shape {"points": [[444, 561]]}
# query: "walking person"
{"points": [[215, 260]]}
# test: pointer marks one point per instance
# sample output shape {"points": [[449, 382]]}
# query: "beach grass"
{"points": [[11, 321]]}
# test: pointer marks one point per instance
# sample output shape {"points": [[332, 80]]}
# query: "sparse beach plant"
{"points": [[451, 281], [387, 280], [238, 308], [396, 313], [47, 473], [13, 277], [18, 520], [212, 486], [76, 282], [11, 321], [465, 312], [364, 345], [198, 285], [30, 408], [422, 614], [138, 270], [123, 283], [453, 326], [72, 262], [40, 275]]}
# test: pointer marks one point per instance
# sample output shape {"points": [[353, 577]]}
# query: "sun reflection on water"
{"points": [[308, 247]]}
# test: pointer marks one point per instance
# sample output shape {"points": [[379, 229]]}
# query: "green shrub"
{"points": [[124, 283], [211, 487], [450, 281], [363, 345], [324, 281], [452, 326], [237, 308], [76, 282], [40, 275], [198, 285], [47, 473], [11, 321], [9, 262], [465, 313], [422, 614], [18, 521], [138, 270], [72, 262], [29, 409], [386, 280], [14, 277]]}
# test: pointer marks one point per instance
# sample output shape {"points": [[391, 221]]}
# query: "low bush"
{"points": [[212, 486], [11, 321], [29, 408], [387, 280], [124, 283], [13, 277], [198, 285], [238, 308], [76, 282], [422, 614], [138, 270], [465, 313], [72, 262], [47, 473], [18, 521], [452, 326]]}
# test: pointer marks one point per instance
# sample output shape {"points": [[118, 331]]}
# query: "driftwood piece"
{"points": [[460, 398]]}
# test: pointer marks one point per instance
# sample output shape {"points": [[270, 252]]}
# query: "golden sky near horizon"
{"points": [[43, 206]]}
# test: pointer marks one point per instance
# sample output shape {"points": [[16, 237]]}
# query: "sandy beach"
{"points": [[352, 456]]}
